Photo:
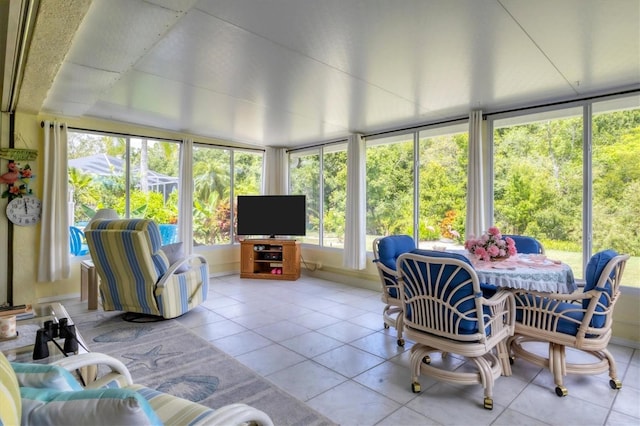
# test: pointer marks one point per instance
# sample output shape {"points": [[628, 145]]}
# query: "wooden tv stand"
{"points": [[264, 257]]}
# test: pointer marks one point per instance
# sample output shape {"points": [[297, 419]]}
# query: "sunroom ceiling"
{"points": [[296, 72]]}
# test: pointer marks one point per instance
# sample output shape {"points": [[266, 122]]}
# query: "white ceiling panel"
{"points": [[116, 33], [589, 41], [296, 72], [78, 84]]}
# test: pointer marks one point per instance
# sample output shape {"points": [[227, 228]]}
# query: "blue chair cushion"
{"points": [[596, 265], [525, 244], [389, 248]]}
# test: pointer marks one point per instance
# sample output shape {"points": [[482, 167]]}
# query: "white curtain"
{"points": [[54, 263], [355, 256], [476, 217], [275, 180], [185, 196]]}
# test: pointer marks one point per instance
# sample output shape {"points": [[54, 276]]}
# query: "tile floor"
{"points": [[325, 344]]}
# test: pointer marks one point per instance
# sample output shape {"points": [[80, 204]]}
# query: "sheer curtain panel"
{"points": [[185, 196], [476, 220], [275, 180], [54, 263], [355, 254]]}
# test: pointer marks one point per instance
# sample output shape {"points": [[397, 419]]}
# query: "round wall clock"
{"points": [[24, 211]]}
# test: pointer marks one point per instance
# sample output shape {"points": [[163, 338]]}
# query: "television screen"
{"points": [[272, 215]]}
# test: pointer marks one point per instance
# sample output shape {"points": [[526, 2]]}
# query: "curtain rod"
{"points": [[571, 101], [303, 148], [105, 132], [436, 123]]}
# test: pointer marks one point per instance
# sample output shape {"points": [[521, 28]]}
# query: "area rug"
{"points": [[168, 357]]}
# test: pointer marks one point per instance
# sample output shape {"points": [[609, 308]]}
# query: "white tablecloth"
{"points": [[522, 273]]}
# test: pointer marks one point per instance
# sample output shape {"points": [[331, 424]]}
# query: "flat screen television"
{"points": [[272, 215]]}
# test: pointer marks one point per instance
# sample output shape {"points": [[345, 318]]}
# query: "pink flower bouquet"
{"points": [[490, 246]]}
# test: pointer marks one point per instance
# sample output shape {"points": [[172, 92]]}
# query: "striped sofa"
{"points": [[36, 394], [136, 274]]}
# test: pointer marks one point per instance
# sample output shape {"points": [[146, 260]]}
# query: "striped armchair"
{"points": [[136, 274]]}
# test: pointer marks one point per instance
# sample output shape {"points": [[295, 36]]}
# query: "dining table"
{"points": [[527, 272], [523, 272]]}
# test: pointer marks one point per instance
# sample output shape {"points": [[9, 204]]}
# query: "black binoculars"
{"points": [[49, 332]]}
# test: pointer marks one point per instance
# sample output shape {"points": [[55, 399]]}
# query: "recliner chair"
{"points": [[138, 275]]}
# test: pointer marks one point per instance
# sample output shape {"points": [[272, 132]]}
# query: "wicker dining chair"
{"points": [[385, 253], [581, 320], [526, 244], [445, 312]]}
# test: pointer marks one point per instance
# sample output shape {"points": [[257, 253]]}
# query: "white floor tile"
{"points": [[270, 359], [345, 331], [348, 361], [241, 343], [353, 404], [307, 379], [311, 344]]}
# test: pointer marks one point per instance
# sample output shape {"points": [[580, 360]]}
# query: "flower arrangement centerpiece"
{"points": [[490, 246]]}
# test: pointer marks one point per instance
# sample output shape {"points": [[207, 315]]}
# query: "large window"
{"points": [[326, 212], [540, 181], [439, 214], [215, 186], [616, 181], [136, 177], [304, 179], [443, 158], [390, 186]]}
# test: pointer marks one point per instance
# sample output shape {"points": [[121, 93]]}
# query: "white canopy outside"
{"points": [[105, 165]]}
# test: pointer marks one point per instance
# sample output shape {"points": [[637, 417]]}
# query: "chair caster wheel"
{"points": [[561, 391], [400, 342], [386, 326], [415, 387], [426, 360], [488, 403], [615, 384]]}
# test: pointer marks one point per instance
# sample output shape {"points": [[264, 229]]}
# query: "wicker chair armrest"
{"points": [[575, 297], [502, 304], [76, 362]]}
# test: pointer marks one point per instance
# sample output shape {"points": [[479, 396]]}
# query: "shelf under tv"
{"points": [[270, 259]]}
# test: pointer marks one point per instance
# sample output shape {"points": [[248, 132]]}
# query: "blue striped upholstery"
{"points": [[173, 410], [10, 401], [130, 263]]}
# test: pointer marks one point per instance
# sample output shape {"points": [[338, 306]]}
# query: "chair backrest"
{"points": [[441, 294], [526, 244], [603, 273], [387, 249], [76, 236], [385, 253], [128, 259]]}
